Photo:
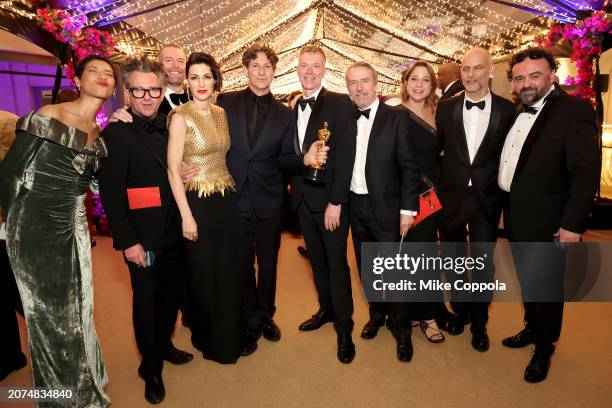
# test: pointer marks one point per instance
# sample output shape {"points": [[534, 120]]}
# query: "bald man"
{"points": [[472, 127], [449, 80]]}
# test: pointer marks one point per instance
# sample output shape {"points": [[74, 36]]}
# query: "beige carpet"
{"points": [[302, 370]]}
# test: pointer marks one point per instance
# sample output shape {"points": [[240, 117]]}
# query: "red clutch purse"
{"points": [[144, 197], [429, 203]]}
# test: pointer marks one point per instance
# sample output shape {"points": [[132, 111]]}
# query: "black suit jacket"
{"points": [[456, 169], [557, 173], [337, 110], [131, 163], [392, 175], [455, 88], [259, 165]]}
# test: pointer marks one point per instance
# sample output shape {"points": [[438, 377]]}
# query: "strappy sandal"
{"points": [[435, 334]]}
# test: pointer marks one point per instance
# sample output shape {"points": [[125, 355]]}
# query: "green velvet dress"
{"points": [[43, 181]]}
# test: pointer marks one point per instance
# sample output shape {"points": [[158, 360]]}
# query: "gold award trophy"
{"points": [[315, 173]]}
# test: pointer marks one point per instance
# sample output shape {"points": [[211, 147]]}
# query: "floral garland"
{"points": [[586, 39], [68, 28]]}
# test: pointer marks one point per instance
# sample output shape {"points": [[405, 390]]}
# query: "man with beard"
{"points": [[472, 127], [550, 171]]}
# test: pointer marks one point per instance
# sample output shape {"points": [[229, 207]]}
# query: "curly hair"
{"points": [[251, 53], [204, 58], [534, 54]]}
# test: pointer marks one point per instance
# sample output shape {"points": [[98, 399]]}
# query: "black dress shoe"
{"points": [[456, 325], [270, 330], [248, 343], [317, 320], [303, 251], [346, 348], [480, 339], [370, 330], [537, 370], [404, 349], [155, 392], [522, 339], [18, 364], [176, 356]]}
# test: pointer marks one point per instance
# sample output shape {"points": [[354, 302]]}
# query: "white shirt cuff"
{"points": [[407, 212]]}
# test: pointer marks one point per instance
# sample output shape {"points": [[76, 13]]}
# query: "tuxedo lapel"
{"points": [[458, 121], [242, 119], [378, 125], [296, 137], [312, 132], [268, 127], [534, 133], [492, 128]]}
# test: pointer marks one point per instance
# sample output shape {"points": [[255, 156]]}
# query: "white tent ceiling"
{"points": [[387, 33]]}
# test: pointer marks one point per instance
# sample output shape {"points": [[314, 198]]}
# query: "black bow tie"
{"points": [[179, 98], [529, 109], [157, 125], [303, 102], [359, 113], [480, 105]]}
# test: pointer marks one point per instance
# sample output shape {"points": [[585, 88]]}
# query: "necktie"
{"points": [[469, 105], [179, 98], [359, 113], [253, 123], [303, 102]]}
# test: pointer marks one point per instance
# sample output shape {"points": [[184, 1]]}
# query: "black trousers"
{"points": [[327, 255], [10, 302], [366, 228], [470, 222], [540, 269], [259, 239], [156, 295]]}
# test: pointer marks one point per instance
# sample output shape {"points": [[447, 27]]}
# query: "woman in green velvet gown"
{"points": [[43, 181]]}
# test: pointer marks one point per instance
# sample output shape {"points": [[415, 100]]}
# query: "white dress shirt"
{"points": [[304, 117], [514, 143], [167, 96], [475, 124], [364, 128]]}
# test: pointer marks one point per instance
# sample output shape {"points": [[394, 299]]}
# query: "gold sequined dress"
{"points": [[213, 281]]}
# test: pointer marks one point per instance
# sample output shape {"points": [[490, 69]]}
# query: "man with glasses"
{"points": [[144, 220]]}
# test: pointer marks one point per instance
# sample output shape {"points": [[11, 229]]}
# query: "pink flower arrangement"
{"points": [[585, 38], [68, 28], [63, 25]]}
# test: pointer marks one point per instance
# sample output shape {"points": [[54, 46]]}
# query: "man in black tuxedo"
{"points": [[173, 61], [261, 131], [146, 227], [449, 80], [550, 171], [472, 127], [324, 222], [376, 175]]}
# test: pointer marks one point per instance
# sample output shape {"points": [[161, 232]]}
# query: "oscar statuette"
{"points": [[315, 173]]}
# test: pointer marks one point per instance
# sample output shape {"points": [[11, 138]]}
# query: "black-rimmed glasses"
{"points": [[140, 92]]}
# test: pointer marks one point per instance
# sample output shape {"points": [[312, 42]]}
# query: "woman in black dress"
{"points": [[419, 102]]}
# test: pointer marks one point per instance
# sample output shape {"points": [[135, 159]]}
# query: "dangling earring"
{"points": [[188, 93]]}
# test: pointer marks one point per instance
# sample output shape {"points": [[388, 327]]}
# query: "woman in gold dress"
{"points": [[199, 135]]}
